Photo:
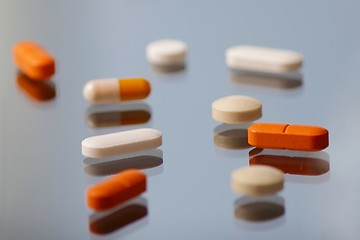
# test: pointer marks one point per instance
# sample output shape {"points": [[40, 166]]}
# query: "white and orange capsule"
{"points": [[103, 91]]}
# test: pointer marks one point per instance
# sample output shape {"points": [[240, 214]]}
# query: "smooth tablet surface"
{"points": [[166, 52], [236, 109], [263, 59], [112, 90], [285, 136], [121, 142], [257, 180], [33, 60], [117, 189]]}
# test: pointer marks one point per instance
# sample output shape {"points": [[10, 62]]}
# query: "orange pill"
{"points": [[117, 189], [285, 136], [114, 90], [33, 60]]}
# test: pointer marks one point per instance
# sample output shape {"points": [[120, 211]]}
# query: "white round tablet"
{"points": [[236, 109], [257, 180], [167, 52]]}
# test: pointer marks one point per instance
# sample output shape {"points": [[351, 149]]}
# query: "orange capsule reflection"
{"points": [[119, 218], [292, 162], [40, 91], [117, 118]]}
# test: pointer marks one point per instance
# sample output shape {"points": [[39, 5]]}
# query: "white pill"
{"points": [[121, 143], [263, 59], [236, 109], [166, 52], [257, 180]]}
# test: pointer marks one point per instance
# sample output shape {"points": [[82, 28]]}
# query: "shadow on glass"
{"points": [[118, 115], [121, 220], [167, 69], [258, 213], [231, 136], [265, 79], [150, 161], [41, 91], [301, 163]]}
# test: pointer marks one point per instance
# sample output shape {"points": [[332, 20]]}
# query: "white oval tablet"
{"points": [[236, 109], [263, 59], [257, 180], [166, 52], [121, 143]]}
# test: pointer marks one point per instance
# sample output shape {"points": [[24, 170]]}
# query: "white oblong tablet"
{"points": [[257, 180], [263, 59], [166, 52], [236, 109], [121, 143]]}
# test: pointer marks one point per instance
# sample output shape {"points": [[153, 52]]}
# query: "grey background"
{"points": [[42, 182]]}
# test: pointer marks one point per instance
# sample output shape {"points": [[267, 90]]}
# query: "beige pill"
{"points": [[257, 180], [121, 143], [166, 52], [263, 59], [236, 109]]}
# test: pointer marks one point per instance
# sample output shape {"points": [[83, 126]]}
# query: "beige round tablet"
{"points": [[166, 52], [236, 109], [257, 180]]}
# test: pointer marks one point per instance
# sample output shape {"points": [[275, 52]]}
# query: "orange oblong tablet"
{"points": [[33, 60], [116, 189], [286, 136]]}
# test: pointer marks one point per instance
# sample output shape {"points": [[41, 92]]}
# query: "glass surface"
{"points": [[43, 175]]}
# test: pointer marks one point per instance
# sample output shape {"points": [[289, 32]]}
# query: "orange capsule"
{"points": [[40, 91], [114, 90], [285, 136], [116, 189], [33, 60]]}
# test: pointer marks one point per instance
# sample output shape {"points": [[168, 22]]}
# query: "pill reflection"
{"points": [[108, 166], [119, 217], [36, 90], [275, 80], [123, 115], [292, 162], [231, 136], [259, 209], [167, 68]]}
